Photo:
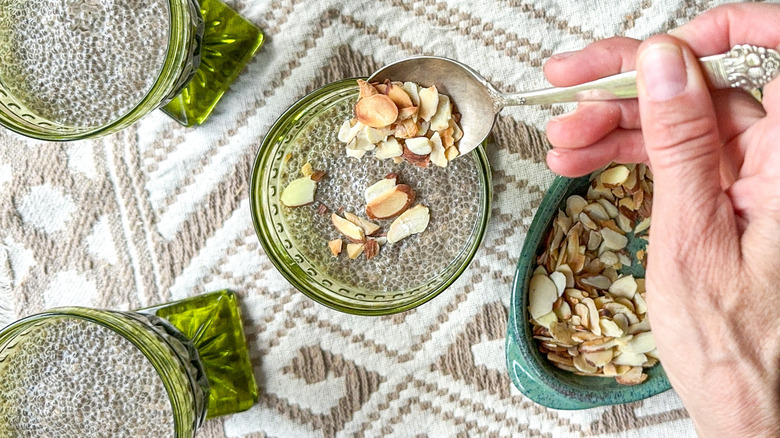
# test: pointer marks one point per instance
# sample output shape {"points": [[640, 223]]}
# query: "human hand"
{"points": [[713, 267]]}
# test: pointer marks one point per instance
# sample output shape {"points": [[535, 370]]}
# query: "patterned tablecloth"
{"points": [[159, 212]]}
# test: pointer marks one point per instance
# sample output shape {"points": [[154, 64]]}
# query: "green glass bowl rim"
{"points": [[534, 382], [179, 40], [260, 224], [149, 345]]}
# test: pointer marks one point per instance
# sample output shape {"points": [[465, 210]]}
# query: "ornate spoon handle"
{"points": [[744, 66]]}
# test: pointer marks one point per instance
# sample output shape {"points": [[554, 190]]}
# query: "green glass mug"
{"points": [[75, 69], [155, 372]]}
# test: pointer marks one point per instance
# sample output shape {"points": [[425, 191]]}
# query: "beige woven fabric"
{"points": [[159, 212]]}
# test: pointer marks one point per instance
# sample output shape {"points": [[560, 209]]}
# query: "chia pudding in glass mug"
{"points": [[153, 373], [73, 69]]}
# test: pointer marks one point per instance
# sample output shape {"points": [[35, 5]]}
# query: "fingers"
{"points": [[623, 146], [602, 58], [590, 122], [680, 132], [721, 28]]}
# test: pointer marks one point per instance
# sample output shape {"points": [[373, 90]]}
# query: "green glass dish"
{"points": [[170, 354], [212, 322], [196, 345], [229, 43], [304, 274], [181, 62], [531, 372]]}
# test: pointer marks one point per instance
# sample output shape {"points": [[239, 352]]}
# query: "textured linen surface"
{"points": [[158, 212]]}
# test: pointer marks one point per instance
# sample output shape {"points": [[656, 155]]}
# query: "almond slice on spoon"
{"points": [[429, 102], [376, 111]]}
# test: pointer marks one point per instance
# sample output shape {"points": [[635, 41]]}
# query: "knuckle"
{"points": [[676, 139]]}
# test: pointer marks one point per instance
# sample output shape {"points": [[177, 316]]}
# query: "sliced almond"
{"points": [[614, 176], [429, 102], [613, 240], [378, 188], [457, 133], [451, 153], [419, 145], [599, 344], [542, 293], [597, 281], [388, 149], [583, 336], [560, 281], [441, 119], [581, 364], [347, 228], [375, 135], [354, 250], [349, 130], [574, 205], [391, 203], [371, 248], [408, 113], [335, 247], [599, 358], [307, 169], [438, 157], [399, 96], [407, 129], [610, 328], [353, 151], [412, 221], [624, 287], [634, 376], [640, 305], [417, 160], [376, 111], [446, 137], [366, 89], [547, 320], [593, 316], [563, 312], [412, 90], [567, 272], [630, 359], [640, 343], [299, 192], [582, 311], [368, 227]]}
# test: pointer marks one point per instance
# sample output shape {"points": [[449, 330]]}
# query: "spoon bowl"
{"points": [[474, 97], [479, 102]]}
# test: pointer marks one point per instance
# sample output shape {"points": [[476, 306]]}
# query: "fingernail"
{"points": [[563, 55], [663, 71]]}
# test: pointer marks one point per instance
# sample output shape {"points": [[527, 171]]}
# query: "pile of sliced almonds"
{"points": [[588, 318], [403, 121], [384, 200]]}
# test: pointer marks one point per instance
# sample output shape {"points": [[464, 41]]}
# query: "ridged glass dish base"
{"points": [[213, 323], [229, 43]]}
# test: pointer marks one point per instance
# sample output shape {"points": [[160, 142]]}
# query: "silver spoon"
{"points": [[479, 102]]}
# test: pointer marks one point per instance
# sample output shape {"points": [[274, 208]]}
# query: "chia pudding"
{"points": [[72, 378], [82, 63], [453, 195]]}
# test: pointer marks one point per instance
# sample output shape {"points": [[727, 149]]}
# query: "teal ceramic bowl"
{"points": [[531, 372]]}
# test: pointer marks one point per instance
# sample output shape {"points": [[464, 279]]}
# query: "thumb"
{"points": [[680, 133]]}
